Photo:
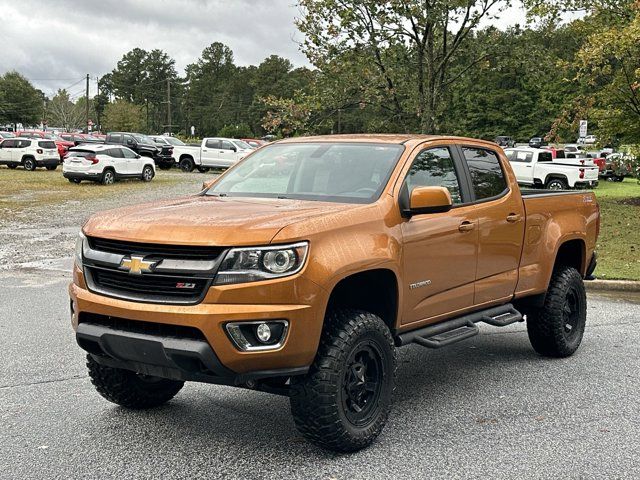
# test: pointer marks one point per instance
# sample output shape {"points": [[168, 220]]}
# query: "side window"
{"points": [[115, 153], [127, 153], [24, 143], [520, 156], [225, 145], [434, 168], [545, 157], [9, 144], [487, 177], [128, 140], [212, 143], [116, 138]]}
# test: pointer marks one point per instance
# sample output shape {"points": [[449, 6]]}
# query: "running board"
{"points": [[457, 329]]}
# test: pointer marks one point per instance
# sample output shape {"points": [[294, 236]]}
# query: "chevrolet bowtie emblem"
{"points": [[136, 265]]}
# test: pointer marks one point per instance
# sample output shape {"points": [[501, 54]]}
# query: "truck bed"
{"points": [[552, 218]]}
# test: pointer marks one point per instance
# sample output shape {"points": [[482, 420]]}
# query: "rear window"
{"points": [[80, 153], [47, 144], [486, 173], [545, 157]]}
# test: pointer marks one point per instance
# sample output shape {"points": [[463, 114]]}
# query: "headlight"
{"points": [[261, 263], [80, 242]]}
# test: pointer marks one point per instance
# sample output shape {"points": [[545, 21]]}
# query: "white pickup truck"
{"points": [[211, 153], [537, 167]]}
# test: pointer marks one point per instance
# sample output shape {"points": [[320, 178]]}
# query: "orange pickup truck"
{"points": [[300, 270]]}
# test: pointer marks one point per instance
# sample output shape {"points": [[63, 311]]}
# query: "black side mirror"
{"points": [[233, 148]]}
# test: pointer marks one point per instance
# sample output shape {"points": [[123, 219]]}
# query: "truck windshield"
{"points": [[144, 140], [175, 141], [331, 172]]}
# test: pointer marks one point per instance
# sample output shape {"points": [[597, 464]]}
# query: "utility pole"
{"points": [[339, 118], [169, 104], [99, 128], [87, 105]]}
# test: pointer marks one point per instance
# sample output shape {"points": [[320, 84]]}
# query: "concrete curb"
{"points": [[613, 285]]}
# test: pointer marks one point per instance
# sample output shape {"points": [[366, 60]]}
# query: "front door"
{"points": [[227, 153], [5, 151], [439, 249]]}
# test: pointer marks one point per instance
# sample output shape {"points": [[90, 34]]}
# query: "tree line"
{"points": [[393, 66]]}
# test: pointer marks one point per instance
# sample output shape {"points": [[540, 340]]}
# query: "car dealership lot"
{"points": [[486, 407]]}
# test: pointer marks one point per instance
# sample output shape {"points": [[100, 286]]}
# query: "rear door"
{"points": [[500, 214]]}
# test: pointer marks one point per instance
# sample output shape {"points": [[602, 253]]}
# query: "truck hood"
{"points": [[206, 220]]}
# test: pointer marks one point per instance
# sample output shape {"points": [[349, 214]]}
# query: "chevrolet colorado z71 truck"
{"points": [[301, 269]]}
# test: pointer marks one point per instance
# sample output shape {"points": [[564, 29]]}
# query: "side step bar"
{"points": [[461, 328]]}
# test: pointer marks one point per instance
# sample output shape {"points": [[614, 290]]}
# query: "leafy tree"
{"points": [[64, 113], [409, 45], [241, 130], [123, 116], [20, 102]]}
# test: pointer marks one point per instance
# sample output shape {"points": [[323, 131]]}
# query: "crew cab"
{"points": [[184, 155], [211, 153], [536, 167], [301, 270], [106, 164], [29, 153], [143, 146]]}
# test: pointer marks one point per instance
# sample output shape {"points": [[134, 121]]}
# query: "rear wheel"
{"points": [[556, 329], [108, 177], [30, 164], [147, 174], [74, 180], [344, 401], [556, 184], [130, 389], [187, 165]]}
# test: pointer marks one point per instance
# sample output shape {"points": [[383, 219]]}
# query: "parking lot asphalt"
{"points": [[488, 407]]}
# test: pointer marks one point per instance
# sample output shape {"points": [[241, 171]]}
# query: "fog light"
{"points": [[263, 332]]}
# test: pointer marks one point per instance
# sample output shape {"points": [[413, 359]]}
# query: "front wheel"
{"points": [[147, 174], [130, 389], [74, 180], [556, 184], [344, 401], [556, 329]]}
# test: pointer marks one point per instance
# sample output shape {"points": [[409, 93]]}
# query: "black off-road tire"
{"points": [[130, 390], [51, 167], [322, 408], [187, 165], [74, 180], [556, 329]]}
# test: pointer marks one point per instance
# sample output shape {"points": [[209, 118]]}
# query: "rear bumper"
{"points": [[587, 184], [81, 175], [48, 162]]}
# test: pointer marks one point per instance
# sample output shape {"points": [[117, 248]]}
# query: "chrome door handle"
{"points": [[514, 217], [466, 226]]}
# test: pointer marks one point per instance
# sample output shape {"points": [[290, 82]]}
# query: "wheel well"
{"points": [[108, 168], [26, 157], [375, 291], [571, 254], [186, 155], [553, 176]]}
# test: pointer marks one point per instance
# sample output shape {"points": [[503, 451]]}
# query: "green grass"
{"points": [[619, 241], [21, 189]]}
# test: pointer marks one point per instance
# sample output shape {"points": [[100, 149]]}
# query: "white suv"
{"points": [[106, 164], [29, 152]]}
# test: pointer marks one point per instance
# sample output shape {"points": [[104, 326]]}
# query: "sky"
{"points": [[55, 43]]}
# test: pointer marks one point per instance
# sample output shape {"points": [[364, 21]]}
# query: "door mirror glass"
{"points": [[429, 200]]}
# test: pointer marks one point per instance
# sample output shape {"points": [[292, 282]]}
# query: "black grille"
{"points": [[151, 287], [149, 328], [183, 252]]}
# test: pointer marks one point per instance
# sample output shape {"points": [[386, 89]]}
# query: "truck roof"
{"points": [[395, 138]]}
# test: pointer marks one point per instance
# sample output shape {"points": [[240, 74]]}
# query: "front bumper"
{"points": [[267, 300]]}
